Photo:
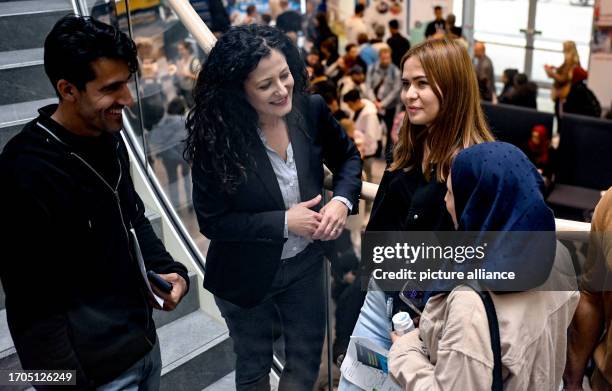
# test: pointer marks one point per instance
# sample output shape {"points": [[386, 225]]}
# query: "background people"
{"points": [[214, 14], [251, 15], [355, 25], [538, 149], [257, 180], [366, 52], [484, 73], [353, 79], [397, 42], [289, 20], [522, 93], [383, 87], [165, 142], [324, 32], [352, 58], [507, 78], [562, 75], [365, 118], [580, 99], [452, 31], [377, 42], [186, 68], [436, 26]]}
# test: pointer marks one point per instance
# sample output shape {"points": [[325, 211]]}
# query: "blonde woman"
{"points": [[562, 75]]}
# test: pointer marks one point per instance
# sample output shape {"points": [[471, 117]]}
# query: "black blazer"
{"points": [[246, 227], [406, 201]]}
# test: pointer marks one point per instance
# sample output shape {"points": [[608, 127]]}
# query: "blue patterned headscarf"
{"points": [[496, 188]]}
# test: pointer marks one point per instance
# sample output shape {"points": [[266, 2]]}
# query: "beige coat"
{"points": [[451, 349]]}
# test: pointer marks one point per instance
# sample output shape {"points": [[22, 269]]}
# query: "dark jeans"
{"points": [[297, 294], [143, 375]]}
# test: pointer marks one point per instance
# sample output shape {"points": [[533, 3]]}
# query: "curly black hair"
{"points": [[223, 125]]}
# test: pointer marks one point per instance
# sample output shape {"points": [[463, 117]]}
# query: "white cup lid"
{"points": [[401, 321]]}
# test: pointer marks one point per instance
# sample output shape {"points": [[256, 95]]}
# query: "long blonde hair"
{"points": [[460, 122], [570, 51]]}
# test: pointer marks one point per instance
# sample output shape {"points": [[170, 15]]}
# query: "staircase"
{"points": [[196, 348], [24, 87]]}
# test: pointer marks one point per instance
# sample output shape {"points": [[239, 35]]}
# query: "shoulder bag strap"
{"points": [[498, 384]]}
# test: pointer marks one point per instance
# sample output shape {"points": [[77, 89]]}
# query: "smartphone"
{"points": [[414, 298], [159, 282]]}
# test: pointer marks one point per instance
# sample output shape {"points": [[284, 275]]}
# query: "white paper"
{"points": [[143, 270], [363, 376]]}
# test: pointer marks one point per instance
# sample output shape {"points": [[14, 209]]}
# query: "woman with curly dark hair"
{"points": [[258, 144]]}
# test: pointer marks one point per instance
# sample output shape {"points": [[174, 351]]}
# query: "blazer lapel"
{"points": [[265, 172], [301, 153]]}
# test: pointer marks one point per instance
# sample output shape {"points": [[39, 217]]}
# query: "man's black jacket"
{"points": [[74, 293]]}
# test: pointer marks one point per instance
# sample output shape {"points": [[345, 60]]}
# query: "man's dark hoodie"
{"points": [[75, 298]]}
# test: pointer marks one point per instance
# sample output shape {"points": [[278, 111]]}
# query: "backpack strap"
{"points": [[498, 384]]}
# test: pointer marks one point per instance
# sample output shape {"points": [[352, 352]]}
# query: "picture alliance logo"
{"points": [[410, 253]]}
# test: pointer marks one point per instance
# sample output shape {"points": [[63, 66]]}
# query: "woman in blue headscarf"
{"points": [[494, 187]]}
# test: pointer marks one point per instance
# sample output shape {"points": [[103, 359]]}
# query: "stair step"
{"points": [[27, 23], [228, 383], [188, 345], [17, 114], [188, 337], [22, 76], [196, 352], [21, 58], [14, 8], [188, 304], [156, 222], [24, 84], [202, 371], [7, 347]]}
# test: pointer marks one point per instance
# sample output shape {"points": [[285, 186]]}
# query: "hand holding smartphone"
{"points": [[159, 282]]}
